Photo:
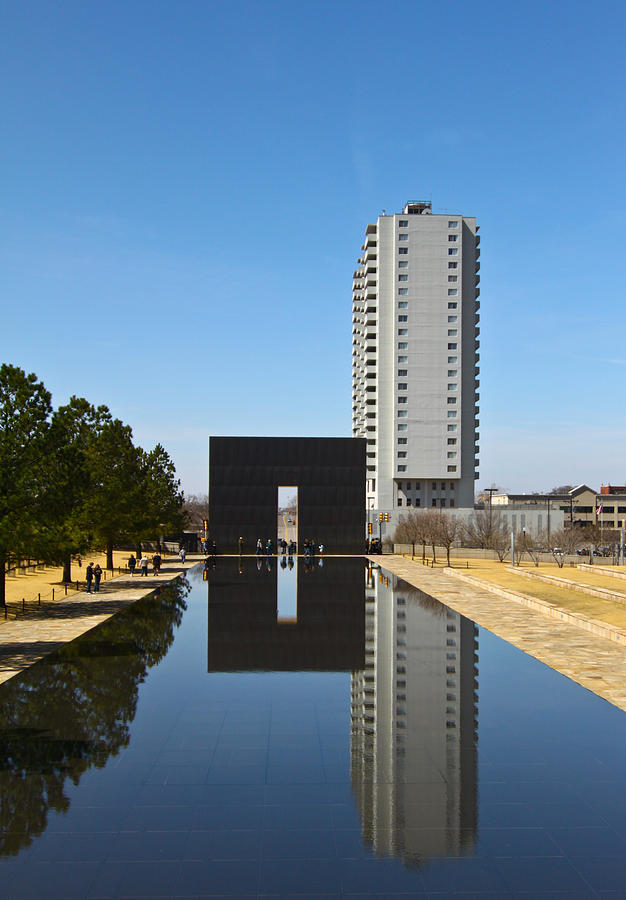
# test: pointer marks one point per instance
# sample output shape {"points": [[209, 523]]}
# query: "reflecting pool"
{"points": [[315, 730]]}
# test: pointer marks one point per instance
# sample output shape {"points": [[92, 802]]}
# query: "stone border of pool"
{"points": [[584, 655], [42, 630]]}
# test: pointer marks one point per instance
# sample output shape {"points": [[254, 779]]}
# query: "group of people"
{"points": [[309, 547], [93, 576], [93, 572], [144, 562]]}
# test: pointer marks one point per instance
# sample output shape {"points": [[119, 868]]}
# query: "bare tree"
{"points": [[197, 508], [486, 529], [414, 528], [562, 489], [478, 528], [562, 542], [528, 545], [430, 531], [500, 542], [445, 531]]}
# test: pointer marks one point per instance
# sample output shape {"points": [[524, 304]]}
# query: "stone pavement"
{"points": [[588, 659], [41, 630]]}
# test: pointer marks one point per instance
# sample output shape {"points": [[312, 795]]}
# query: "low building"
{"points": [[611, 506], [577, 507], [533, 518]]}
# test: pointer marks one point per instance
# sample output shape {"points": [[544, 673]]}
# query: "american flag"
{"points": [[599, 511]]}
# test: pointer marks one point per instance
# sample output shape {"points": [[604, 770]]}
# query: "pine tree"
{"points": [[24, 466]]}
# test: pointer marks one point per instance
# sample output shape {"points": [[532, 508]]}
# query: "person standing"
{"points": [[89, 576], [259, 547], [144, 564], [97, 575], [156, 563], [132, 564], [181, 554]]}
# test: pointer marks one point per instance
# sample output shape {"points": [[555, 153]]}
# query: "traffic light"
{"points": [[205, 525], [380, 517], [369, 527], [386, 517]]}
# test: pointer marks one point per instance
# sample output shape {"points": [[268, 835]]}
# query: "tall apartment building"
{"points": [[415, 359]]}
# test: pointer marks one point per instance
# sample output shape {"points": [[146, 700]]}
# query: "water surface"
{"points": [[338, 733]]}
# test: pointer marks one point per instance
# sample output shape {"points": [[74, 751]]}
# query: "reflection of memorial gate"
{"points": [[244, 476], [245, 632]]}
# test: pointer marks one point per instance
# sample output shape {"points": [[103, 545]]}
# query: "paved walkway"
{"points": [[41, 630], [592, 661]]}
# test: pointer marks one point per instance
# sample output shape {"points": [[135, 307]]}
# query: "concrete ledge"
{"points": [[613, 571], [604, 593], [595, 626]]}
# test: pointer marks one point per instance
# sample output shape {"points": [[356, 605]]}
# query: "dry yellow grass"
{"points": [[608, 611], [35, 581]]}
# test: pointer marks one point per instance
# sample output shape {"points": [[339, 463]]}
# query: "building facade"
{"points": [[415, 359], [576, 507]]}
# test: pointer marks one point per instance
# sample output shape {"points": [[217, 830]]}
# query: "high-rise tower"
{"points": [[415, 358]]}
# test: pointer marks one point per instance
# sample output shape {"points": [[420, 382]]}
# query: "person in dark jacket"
{"points": [[97, 575], [89, 576]]}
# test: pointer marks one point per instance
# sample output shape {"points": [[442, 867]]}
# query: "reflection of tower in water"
{"points": [[413, 740]]}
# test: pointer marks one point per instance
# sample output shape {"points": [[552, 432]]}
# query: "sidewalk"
{"points": [[592, 661], [42, 629], [27, 582]]}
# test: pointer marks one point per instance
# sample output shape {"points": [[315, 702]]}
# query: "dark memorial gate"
{"points": [[246, 472]]}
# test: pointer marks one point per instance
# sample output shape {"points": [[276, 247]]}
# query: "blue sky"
{"points": [[186, 186]]}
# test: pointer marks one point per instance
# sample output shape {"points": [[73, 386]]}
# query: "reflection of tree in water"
{"points": [[72, 711]]}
